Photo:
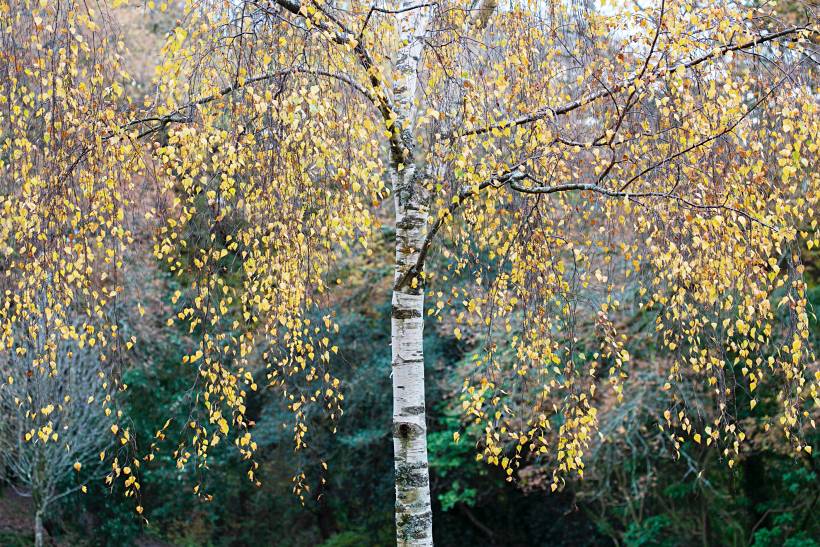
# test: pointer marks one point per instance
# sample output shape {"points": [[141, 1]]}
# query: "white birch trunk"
{"points": [[414, 518]]}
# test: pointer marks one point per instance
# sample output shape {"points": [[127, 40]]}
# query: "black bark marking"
{"points": [[414, 476], [414, 526], [408, 223], [414, 410], [404, 313]]}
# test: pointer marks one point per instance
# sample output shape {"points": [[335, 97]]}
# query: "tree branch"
{"points": [[706, 140], [546, 111], [465, 194], [514, 175], [177, 115], [373, 9], [345, 37], [637, 195]]}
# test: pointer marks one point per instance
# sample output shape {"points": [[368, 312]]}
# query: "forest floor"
{"points": [[16, 518], [17, 522]]}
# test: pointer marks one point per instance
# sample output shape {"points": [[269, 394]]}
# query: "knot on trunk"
{"points": [[406, 430]]}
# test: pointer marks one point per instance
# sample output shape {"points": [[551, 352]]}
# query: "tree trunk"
{"points": [[38, 528], [414, 517], [413, 512]]}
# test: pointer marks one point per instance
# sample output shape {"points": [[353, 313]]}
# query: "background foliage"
{"points": [[634, 495]]}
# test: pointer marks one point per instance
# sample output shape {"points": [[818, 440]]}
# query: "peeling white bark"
{"points": [[414, 518], [414, 524]]}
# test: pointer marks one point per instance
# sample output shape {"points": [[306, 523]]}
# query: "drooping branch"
{"points": [[513, 176], [545, 112], [622, 193], [179, 115], [595, 188], [463, 196], [622, 114], [705, 140], [344, 36]]}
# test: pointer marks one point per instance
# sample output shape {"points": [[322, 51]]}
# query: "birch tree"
{"points": [[486, 116], [545, 152]]}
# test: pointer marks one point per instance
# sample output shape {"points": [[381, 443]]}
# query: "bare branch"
{"points": [[537, 190]]}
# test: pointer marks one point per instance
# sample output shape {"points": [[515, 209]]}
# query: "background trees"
{"points": [[51, 423]]}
